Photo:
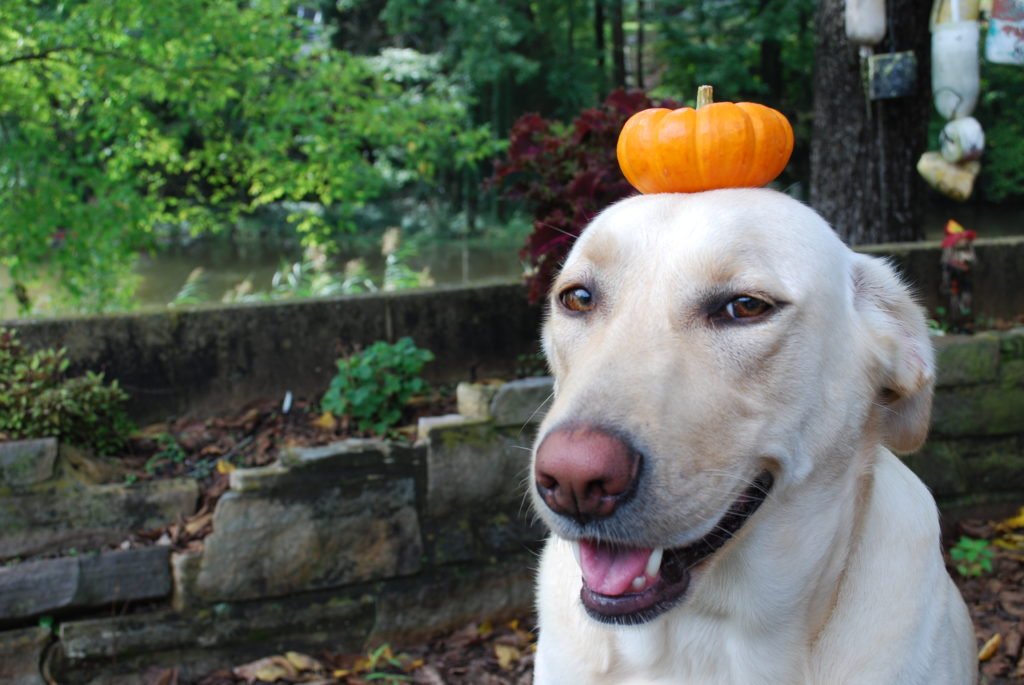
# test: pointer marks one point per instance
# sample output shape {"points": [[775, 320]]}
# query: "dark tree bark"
{"points": [[864, 154], [618, 45], [599, 45], [771, 70], [640, 44]]}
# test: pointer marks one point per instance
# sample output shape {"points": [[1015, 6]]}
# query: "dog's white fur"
{"points": [[838, 577]]}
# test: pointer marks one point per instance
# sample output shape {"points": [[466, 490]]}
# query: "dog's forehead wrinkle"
{"points": [[747, 240]]}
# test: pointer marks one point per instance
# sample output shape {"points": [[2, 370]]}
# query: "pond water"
{"points": [[449, 262], [226, 262]]}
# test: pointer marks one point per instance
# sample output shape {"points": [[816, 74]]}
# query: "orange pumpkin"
{"points": [[716, 145]]}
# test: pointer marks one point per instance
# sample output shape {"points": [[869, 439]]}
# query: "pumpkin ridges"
{"points": [[676, 162], [638, 138], [763, 160], [723, 137], [774, 142], [718, 145]]}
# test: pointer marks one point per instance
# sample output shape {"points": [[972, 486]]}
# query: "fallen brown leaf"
{"points": [[303, 663], [196, 524], [507, 655], [989, 649], [266, 670], [326, 421]]}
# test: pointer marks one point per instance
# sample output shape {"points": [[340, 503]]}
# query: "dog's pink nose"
{"points": [[584, 472]]}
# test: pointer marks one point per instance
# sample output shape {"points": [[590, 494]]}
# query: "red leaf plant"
{"points": [[565, 175]]}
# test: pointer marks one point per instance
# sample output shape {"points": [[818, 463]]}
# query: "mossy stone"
{"points": [[979, 410], [966, 360], [940, 465]]}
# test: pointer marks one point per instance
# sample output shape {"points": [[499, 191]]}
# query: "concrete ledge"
{"points": [[27, 462], [204, 359], [98, 650], [998, 279], [65, 585], [67, 514]]}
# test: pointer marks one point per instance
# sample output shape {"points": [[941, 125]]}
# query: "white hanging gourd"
{"points": [[865, 21], [955, 75]]}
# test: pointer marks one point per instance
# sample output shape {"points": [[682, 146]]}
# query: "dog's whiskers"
{"points": [[535, 411]]}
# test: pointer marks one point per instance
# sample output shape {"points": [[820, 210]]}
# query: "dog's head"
{"points": [[706, 349]]}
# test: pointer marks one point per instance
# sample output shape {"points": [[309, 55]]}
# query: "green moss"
{"points": [[482, 434], [968, 361], [978, 411], [1011, 347], [1011, 373], [940, 465], [998, 470]]}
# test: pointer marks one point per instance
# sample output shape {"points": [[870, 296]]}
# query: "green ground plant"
{"points": [[372, 387], [972, 557], [38, 399]]}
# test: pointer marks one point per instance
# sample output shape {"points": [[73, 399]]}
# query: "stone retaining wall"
{"points": [[209, 358], [332, 547], [365, 541]]}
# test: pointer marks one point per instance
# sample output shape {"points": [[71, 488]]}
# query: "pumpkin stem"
{"points": [[704, 96]]}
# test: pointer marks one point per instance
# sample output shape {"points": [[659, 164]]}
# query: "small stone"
{"points": [[473, 463], [20, 654], [245, 480], [184, 573], [55, 517], [427, 424], [474, 399], [60, 586], [522, 402], [27, 462], [309, 534]]}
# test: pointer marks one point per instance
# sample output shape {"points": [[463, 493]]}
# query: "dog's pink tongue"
{"points": [[611, 570]]}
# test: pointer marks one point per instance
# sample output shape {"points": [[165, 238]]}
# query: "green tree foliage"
{"points": [[118, 117], [1000, 113], [514, 56], [757, 50]]}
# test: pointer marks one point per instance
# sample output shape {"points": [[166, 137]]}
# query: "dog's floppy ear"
{"points": [[901, 352]]}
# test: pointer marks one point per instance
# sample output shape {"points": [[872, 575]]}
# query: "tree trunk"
{"points": [[618, 46], [599, 46], [864, 154], [640, 44], [771, 71]]}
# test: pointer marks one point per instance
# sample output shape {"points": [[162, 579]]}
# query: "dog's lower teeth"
{"points": [[639, 582], [654, 562]]}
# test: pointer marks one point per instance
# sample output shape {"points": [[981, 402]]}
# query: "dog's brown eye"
{"points": [[745, 307], [577, 299]]}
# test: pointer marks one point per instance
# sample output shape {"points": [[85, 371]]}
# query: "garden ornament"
{"points": [[958, 258]]}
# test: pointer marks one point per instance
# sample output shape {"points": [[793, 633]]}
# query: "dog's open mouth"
{"points": [[631, 585]]}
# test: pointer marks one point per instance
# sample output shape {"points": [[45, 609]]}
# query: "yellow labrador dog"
{"points": [[715, 467]]}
